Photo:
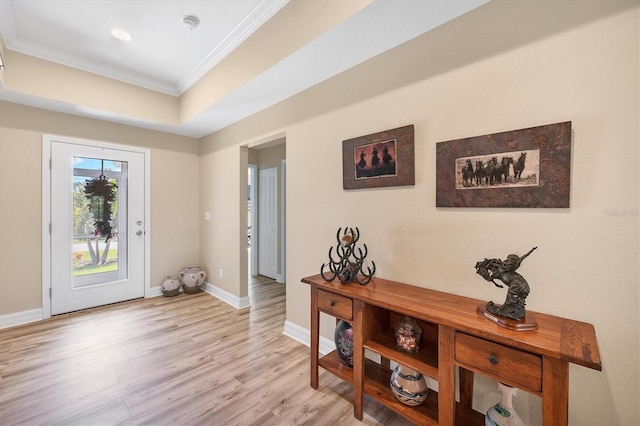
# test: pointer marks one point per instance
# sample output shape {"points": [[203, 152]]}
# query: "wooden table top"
{"points": [[565, 339]]}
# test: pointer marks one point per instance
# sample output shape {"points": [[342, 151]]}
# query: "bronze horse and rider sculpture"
{"points": [[518, 288]]}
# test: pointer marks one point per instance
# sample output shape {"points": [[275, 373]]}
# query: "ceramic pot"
{"points": [[408, 386], [192, 278], [408, 335], [343, 337], [170, 286], [503, 413]]}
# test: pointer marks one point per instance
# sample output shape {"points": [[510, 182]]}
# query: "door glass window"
{"points": [[99, 221]]}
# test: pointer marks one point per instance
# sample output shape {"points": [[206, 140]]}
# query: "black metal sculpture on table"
{"points": [[505, 271], [349, 267]]}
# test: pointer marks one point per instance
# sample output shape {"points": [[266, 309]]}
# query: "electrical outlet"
{"points": [[220, 274], [207, 215]]}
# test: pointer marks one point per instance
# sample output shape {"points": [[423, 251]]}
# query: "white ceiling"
{"points": [[167, 57], [163, 55]]}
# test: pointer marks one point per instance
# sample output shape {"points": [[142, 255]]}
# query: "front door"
{"points": [[97, 225]]}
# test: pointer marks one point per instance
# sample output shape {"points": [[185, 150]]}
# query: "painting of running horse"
{"points": [[498, 170], [520, 168]]}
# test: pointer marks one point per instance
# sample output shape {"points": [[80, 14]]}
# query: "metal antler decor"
{"points": [[348, 268], [505, 271]]}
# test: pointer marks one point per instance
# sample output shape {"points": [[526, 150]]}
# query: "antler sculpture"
{"points": [[348, 267]]}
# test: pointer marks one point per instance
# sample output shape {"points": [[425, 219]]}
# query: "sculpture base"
{"points": [[527, 323]]}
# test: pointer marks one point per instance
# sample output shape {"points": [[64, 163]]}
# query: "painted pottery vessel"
{"points": [[408, 386], [192, 278], [170, 286], [408, 335], [343, 337], [503, 413]]}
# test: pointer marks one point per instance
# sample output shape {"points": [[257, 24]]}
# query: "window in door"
{"points": [[99, 219]]}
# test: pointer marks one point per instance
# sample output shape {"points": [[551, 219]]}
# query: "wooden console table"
{"points": [[454, 335]]}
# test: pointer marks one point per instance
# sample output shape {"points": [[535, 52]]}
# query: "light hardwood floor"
{"points": [[190, 359]]}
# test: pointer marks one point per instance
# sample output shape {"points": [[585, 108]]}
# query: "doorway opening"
{"points": [[260, 158]]}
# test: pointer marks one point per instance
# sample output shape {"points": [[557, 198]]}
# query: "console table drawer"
{"points": [[335, 305], [521, 368]]}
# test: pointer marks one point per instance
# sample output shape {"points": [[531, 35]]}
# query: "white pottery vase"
{"points": [[192, 278], [170, 286], [503, 413], [408, 386]]}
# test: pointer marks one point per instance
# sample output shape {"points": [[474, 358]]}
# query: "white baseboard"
{"points": [[235, 301], [18, 318], [153, 292], [217, 292], [303, 336]]}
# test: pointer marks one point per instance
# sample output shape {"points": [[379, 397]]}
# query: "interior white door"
{"points": [[97, 226], [268, 222]]}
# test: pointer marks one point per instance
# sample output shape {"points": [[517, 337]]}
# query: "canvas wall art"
{"points": [[521, 168], [379, 160]]}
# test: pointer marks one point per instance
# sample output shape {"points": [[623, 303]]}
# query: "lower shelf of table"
{"points": [[376, 385]]}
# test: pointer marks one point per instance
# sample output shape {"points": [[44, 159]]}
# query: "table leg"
{"points": [[358, 358], [555, 391], [315, 336], [446, 376], [466, 387]]}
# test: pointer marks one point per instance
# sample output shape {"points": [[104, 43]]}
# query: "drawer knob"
{"points": [[332, 303], [493, 360]]}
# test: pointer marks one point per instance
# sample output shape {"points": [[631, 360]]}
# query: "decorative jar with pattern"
{"points": [[192, 278], [170, 286], [503, 413], [343, 337], [408, 386], [408, 335]]}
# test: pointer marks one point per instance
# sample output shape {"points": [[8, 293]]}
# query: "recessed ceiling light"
{"points": [[121, 34]]}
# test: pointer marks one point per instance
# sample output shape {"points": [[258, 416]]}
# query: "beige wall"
{"points": [[506, 65], [49, 80], [174, 196], [223, 188]]}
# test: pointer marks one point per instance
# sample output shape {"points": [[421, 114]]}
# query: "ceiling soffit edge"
{"points": [[258, 16]]}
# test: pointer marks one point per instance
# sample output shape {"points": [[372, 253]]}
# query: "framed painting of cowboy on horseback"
{"points": [[520, 168], [379, 160]]}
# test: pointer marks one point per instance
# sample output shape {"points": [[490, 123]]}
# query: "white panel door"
{"points": [[97, 226], [268, 222]]}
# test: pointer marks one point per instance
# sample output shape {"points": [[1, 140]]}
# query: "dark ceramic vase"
{"points": [[343, 337]]}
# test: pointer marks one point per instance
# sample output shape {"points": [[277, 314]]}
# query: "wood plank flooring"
{"points": [[186, 360]]}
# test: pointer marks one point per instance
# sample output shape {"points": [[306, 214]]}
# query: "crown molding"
{"points": [[263, 11], [247, 26], [72, 61]]}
